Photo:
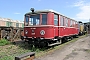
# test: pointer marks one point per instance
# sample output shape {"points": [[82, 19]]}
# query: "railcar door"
{"points": [[56, 23]]}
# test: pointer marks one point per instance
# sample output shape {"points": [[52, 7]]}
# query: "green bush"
{"points": [[4, 42]]}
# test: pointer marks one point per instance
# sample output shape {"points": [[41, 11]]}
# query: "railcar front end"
{"points": [[39, 28]]}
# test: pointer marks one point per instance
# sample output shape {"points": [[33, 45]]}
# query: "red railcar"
{"points": [[48, 27]]}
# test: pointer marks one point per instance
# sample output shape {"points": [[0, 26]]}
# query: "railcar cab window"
{"points": [[44, 19], [55, 19], [34, 19], [26, 20]]}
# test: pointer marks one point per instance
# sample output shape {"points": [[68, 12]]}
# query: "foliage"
{"points": [[4, 42], [6, 58]]}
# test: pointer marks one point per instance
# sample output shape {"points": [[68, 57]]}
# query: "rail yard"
{"points": [[44, 32], [10, 29], [10, 51]]}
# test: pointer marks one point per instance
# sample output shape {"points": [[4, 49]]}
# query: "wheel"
{"points": [[36, 46], [63, 40], [60, 41], [71, 37]]}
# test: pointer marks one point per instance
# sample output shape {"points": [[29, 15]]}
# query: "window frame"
{"points": [[66, 22], [61, 20], [32, 23], [42, 18], [70, 22], [56, 18], [26, 23]]}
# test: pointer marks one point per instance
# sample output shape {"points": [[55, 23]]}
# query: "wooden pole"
{"points": [[0, 35]]}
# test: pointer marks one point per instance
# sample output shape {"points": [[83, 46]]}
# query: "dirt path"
{"points": [[79, 50]]}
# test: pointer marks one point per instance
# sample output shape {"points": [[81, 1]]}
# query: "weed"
{"points": [[4, 42], [6, 58]]}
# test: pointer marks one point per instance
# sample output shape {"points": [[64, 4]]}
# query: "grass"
{"points": [[8, 52], [4, 42], [6, 58]]}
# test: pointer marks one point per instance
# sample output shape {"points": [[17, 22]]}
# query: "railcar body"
{"points": [[48, 27]]}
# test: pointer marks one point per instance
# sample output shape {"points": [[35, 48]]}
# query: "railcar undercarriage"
{"points": [[41, 42]]}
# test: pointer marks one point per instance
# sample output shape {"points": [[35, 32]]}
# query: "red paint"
{"points": [[52, 31], [49, 32]]}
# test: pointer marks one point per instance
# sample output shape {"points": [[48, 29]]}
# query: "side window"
{"points": [[70, 23], [55, 20], [74, 23], [66, 22], [61, 20], [26, 20], [44, 19]]}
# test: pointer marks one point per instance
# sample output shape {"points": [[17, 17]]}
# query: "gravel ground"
{"points": [[79, 50]]}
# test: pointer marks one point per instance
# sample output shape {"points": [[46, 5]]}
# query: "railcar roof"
{"points": [[43, 11], [46, 11]]}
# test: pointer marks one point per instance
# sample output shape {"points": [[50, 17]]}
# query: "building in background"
{"points": [[6, 22]]}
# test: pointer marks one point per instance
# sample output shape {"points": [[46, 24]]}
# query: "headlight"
{"points": [[42, 32], [32, 31], [26, 32]]}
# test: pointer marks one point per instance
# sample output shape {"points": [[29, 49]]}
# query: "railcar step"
{"points": [[54, 44], [55, 39]]}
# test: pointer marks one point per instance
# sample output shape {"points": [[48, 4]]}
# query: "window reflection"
{"points": [[56, 20], [34, 20], [27, 20]]}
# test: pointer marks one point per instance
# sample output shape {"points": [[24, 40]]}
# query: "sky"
{"points": [[75, 9]]}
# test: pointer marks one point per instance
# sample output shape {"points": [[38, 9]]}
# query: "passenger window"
{"points": [[61, 21], [66, 22], [74, 23], [44, 19], [70, 23], [55, 20]]}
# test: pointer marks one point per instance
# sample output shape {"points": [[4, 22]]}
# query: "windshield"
{"points": [[35, 19]]}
